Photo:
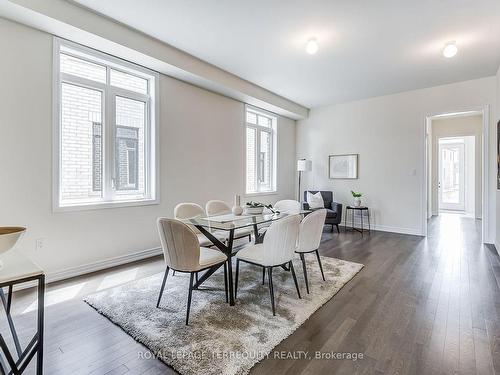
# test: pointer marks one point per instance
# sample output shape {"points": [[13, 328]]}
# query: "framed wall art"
{"points": [[343, 166]]}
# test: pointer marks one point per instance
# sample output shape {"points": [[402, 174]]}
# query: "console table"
{"points": [[17, 269], [353, 209]]}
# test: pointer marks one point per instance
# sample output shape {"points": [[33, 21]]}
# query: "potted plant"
{"points": [[254, 208], [357, 198]]}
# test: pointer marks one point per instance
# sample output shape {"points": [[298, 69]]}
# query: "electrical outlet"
{"points": [[39, 243]]}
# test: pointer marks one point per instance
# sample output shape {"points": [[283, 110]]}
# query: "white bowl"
{"points": [[9, 237], [254, 210]]}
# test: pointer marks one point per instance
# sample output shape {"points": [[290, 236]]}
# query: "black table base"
{"points": [[353, 209], [17, 365], [226, 249]]}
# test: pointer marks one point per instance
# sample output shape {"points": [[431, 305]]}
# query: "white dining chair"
{"points": [[182, 253], [287, 205], [217, 207], [277, 250], [185, 211], [310, 231]]}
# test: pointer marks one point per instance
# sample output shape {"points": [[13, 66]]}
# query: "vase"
{"points": [[357, 202], [237, 209]]}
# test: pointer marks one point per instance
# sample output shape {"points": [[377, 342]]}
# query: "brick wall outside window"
{"points": [[80, 109]]}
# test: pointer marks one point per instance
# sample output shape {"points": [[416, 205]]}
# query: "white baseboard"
{"points": [[399, 230], [385, 228], [94, 266], [101, 265]]}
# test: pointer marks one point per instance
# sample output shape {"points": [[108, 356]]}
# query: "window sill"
{"points": [[102, 205], [261, 193]]}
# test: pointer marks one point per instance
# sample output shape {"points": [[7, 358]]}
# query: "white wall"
{"points": [[202, 157], [494, 135], [388, 134], [458, 127], [472, 202], [430, 158]]}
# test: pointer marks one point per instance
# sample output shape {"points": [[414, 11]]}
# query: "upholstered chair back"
{"points": [[215, 207], [188, 211], [280, 241], [310, 230], [181, 248], [287, 205], [327, 197]]}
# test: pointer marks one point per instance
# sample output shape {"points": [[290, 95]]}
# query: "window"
{"points": [[261, 156], [105, 130]]}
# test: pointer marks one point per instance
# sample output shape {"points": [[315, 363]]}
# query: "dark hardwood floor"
{"points": [[420, 306]]}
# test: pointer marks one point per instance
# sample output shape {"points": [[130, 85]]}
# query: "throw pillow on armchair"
{"points": [[333, 209], [315, 200]]}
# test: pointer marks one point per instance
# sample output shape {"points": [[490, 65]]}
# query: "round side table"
{"points": [[352, 210]]}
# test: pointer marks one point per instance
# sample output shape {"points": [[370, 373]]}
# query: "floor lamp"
{"points": [[303, 165]]}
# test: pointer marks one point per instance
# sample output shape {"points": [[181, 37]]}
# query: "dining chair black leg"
{"points": [[163, 286], [271, 289], [302, 258], [191, 278], [294, 278], [249, 238], [225, 282], [338, 230], [237, 276], [320, 265], [263, 275], [332, 228], [196, 276], [173, 273]]}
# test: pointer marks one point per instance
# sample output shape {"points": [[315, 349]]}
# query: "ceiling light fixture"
{"points": [[312, 46], [450, 49]]}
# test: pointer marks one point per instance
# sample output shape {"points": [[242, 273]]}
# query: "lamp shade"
{"points": [[304, 165]]}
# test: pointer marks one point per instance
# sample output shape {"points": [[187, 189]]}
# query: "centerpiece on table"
{"points": [[254, 208]]}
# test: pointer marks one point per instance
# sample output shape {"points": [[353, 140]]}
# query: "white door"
{"points": [[451, 185]]}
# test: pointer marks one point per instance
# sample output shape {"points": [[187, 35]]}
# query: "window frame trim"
{"points": [[273, 132], [152, 158]]}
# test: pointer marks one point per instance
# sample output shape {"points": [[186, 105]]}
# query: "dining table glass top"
{"points": [[230, 221]]}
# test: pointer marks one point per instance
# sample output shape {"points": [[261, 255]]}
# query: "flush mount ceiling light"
{"points": [[450, 49], [312, 46]]}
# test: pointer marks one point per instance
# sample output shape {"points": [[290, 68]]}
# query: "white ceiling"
{"points": [[367, 48]]}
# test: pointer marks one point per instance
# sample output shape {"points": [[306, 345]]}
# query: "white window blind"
{"points": [[261, 146], [105, 152]]}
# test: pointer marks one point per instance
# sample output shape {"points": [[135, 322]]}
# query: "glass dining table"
{"points": [[212, 226]]}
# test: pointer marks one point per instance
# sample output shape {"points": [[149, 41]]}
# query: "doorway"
{"points": [[451, 181], [454, 159]]}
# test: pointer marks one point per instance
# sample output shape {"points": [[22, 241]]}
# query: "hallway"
{"points": [[453, 228], [467, 294]]}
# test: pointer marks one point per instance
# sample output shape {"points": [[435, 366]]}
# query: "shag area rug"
{"points": [[220, 339]]}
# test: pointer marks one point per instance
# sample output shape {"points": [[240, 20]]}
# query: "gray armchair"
{"points": [[333, 209]]}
